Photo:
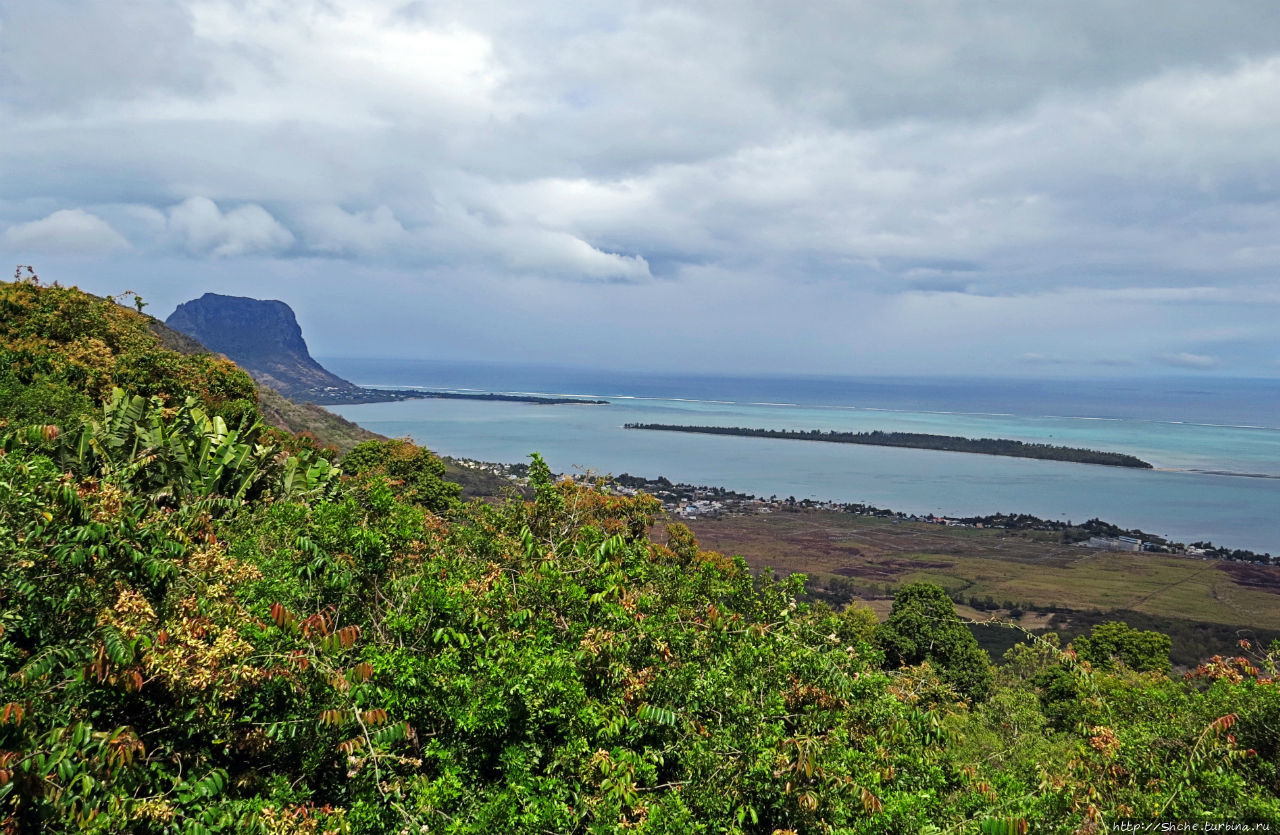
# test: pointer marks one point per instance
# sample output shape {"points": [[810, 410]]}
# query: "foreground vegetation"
{"points": [[918, 440], [205, 626]]}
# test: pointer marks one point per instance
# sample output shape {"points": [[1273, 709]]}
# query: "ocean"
{"points": [[1215, 442]]}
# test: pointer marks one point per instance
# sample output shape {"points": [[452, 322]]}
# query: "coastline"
{"points": [[916, 440], [392, 395], [685, 502], [1172, 499]]}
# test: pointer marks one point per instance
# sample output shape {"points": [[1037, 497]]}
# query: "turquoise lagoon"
{"points": [[1215, 444]]}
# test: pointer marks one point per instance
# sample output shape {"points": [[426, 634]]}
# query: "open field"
{"points": [[1030, 568]]}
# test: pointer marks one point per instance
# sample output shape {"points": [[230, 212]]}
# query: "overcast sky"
{"points": [[923, 186]]}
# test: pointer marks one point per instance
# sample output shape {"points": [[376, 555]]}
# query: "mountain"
{"points": [[263, 337], [277, 410], [194, 619]]}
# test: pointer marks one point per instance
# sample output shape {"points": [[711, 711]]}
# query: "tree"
{"points": [[923, 626], [416, 474], [682, 541], [1115, 641]]}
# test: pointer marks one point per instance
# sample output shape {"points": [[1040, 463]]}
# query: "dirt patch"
{"points": [[1035, 620], [888, 569], [1260, 577]]}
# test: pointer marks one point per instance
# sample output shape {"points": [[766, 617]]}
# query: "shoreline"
{"points": [[687, 502], [1258, 538], [1001, 447], [390, 395]]}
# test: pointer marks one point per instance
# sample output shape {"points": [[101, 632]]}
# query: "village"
{"points": [[689, 502]]}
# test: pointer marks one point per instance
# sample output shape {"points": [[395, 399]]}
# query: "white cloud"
{"points": [[1077, 183], [342, 62], [1188, 360], [1035, 358], [69, 231], [489, 233], [204, 229], [477, 235], [330, 229], [559, 253]]}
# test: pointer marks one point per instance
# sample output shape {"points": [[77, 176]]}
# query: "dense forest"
{"points": [[208, 624], [916, 440]]}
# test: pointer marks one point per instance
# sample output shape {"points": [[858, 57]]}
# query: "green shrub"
{"points": [[923, 626]]}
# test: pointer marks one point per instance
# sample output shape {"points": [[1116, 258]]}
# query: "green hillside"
{"points": [[212, 625]]}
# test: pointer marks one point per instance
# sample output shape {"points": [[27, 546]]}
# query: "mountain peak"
{"points": [[264, 338]]}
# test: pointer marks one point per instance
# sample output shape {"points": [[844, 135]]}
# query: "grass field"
{"points": [[1025, 568]]}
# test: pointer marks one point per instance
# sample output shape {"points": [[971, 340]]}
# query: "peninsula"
{"points": [[915, 440], [263, 337], [539, 399]]}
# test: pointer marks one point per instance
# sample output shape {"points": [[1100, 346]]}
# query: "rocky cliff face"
{"points": [[263, 337]]}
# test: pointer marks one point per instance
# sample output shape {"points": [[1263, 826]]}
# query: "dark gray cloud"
{"points": [[964, 59], [964, 185], [71, 54]]}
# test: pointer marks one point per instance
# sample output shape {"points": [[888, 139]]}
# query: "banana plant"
{"points": [[174, 454], [98, 447], [306, 476], [193, 454]]}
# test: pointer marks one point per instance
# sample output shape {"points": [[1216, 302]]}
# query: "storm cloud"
{"points": [[953, 186]]}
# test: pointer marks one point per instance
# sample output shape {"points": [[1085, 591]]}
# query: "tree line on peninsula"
{"points": [[917, 440]]}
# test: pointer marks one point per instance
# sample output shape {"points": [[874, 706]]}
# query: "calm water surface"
{"points": [[1216, 443]]}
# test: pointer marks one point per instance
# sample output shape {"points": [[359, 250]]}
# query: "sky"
{"points": [[921, 187]]}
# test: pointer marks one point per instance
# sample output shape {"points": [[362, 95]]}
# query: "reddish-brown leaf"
{"points": [[282, 616], [377, 716], [1223, 723], [316, 625]]}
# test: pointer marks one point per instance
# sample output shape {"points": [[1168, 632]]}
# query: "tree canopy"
{"points": [[923, 627], [198, 637], [1115, 643]]}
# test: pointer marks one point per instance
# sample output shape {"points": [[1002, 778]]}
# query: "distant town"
{"points": [[688, 502]]}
